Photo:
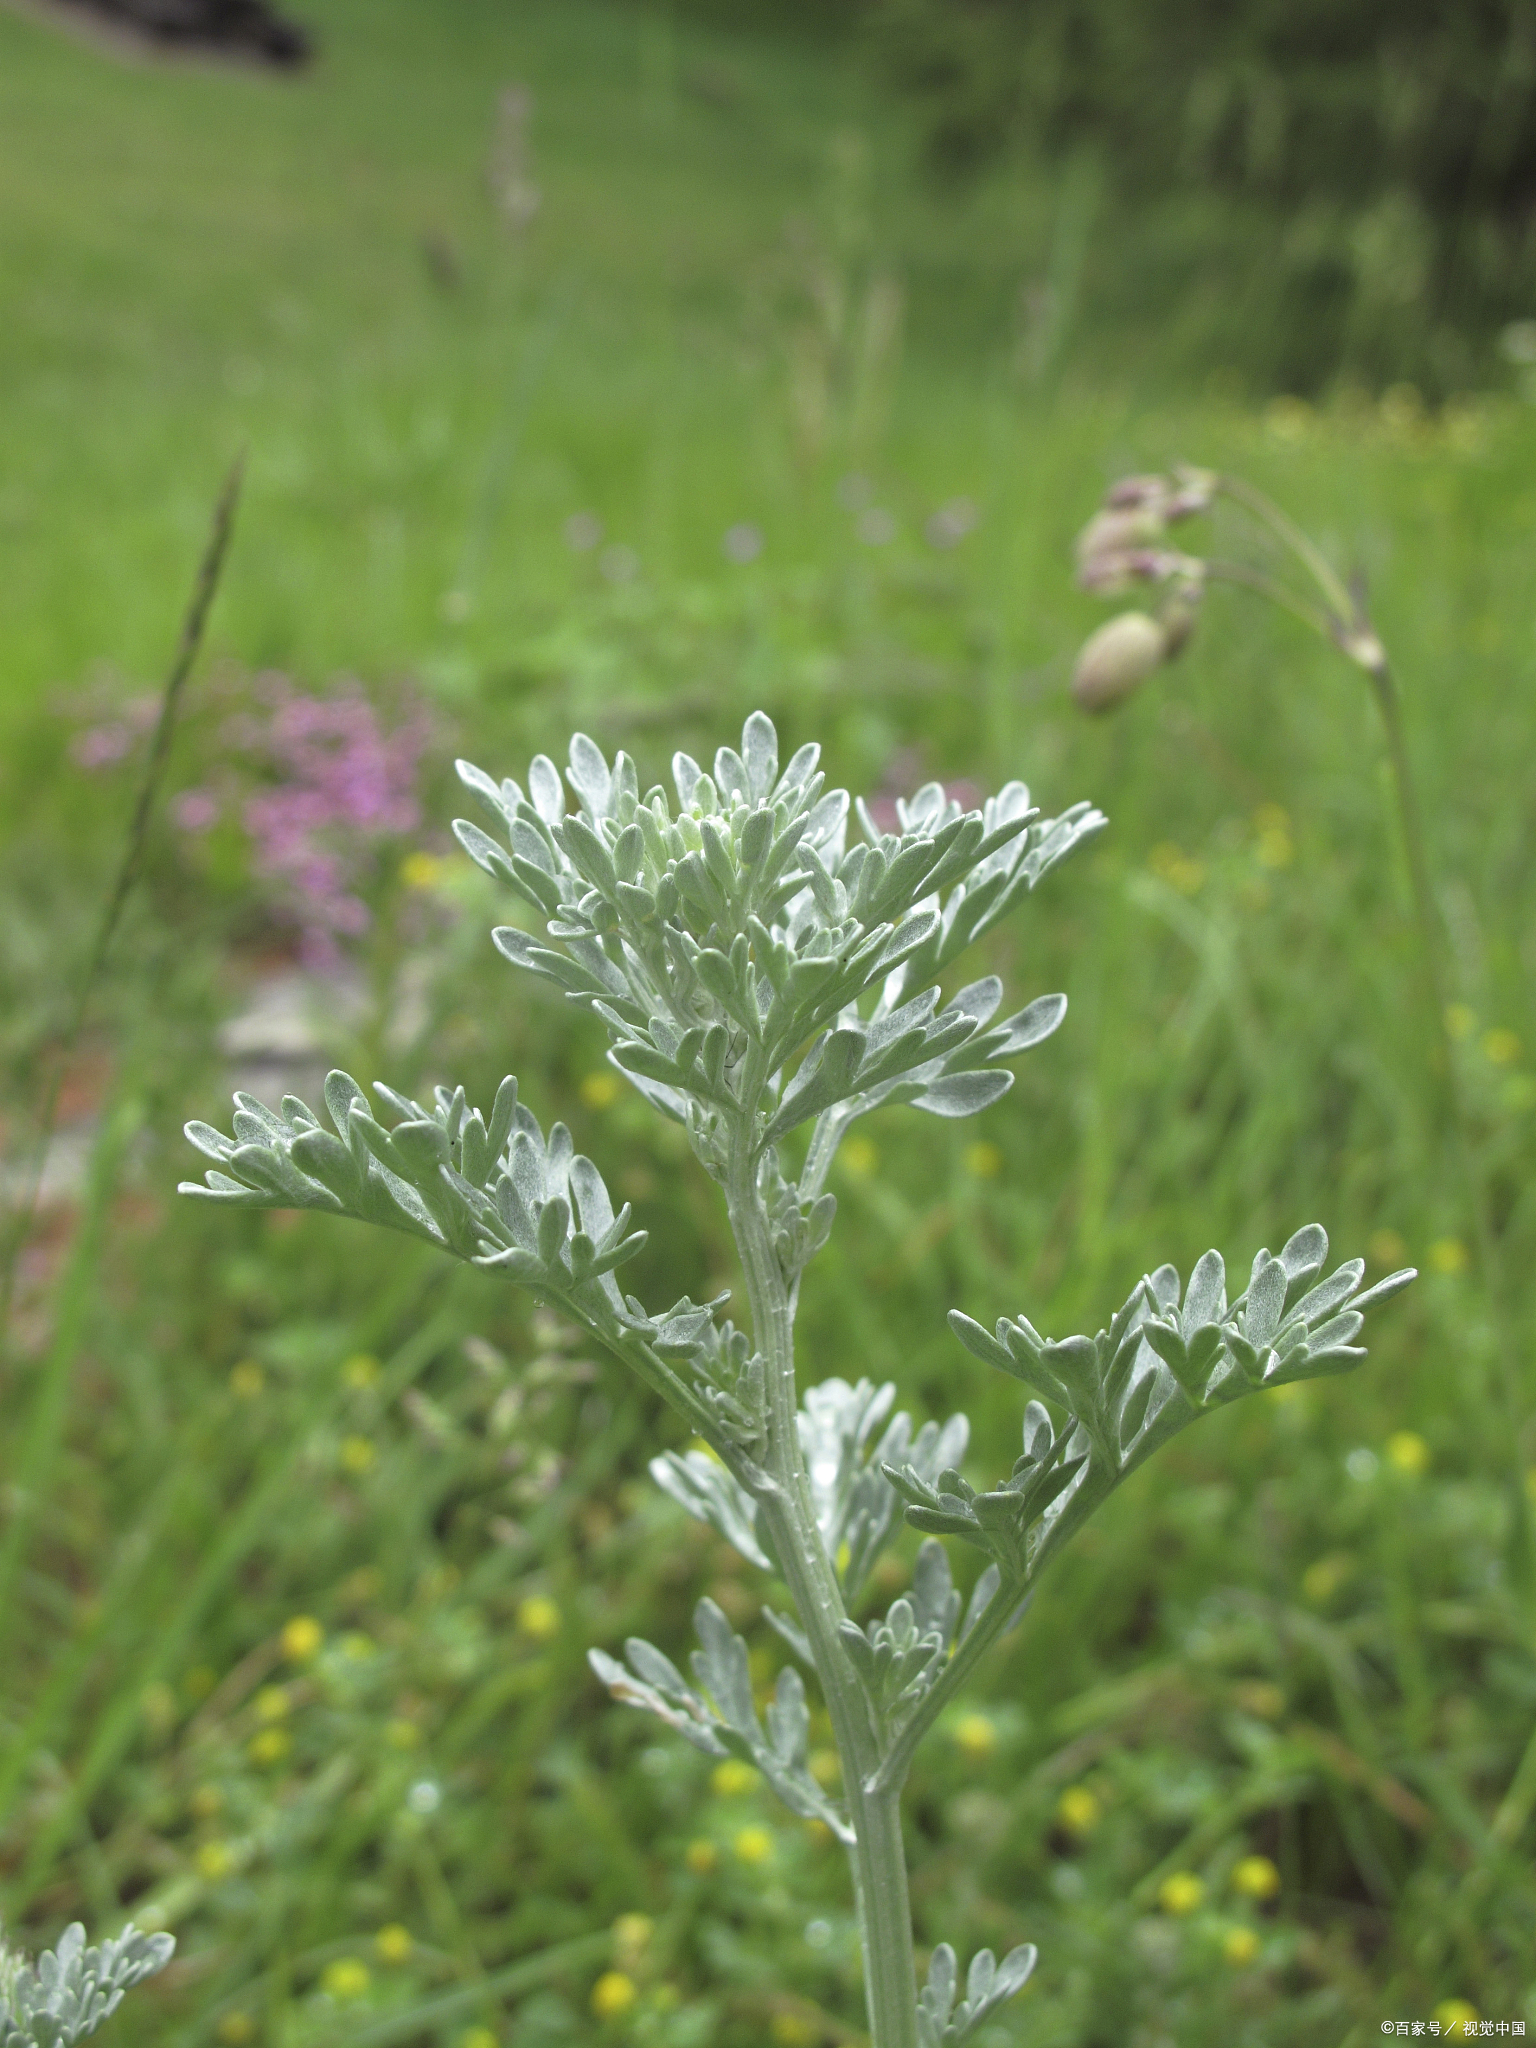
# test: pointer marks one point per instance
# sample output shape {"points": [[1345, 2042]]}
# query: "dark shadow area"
{"points": [[236, 28]]}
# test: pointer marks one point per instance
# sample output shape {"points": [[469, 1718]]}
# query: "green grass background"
{"points": [[1267, 1644]]}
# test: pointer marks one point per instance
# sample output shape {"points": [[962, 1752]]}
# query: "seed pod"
{"points": [[1131, 491], [1117, 659], [1115, 533]]}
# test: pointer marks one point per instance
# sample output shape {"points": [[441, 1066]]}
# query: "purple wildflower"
{"points": [[346, 783], [195, 810]]}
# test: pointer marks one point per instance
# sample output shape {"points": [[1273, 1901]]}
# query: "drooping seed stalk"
{"points": [[1344, 623]]}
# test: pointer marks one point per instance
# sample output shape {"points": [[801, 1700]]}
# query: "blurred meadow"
{"points": [[604, 368]]}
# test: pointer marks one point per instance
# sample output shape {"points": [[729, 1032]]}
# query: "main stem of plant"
{"points": [[877, 1854]]}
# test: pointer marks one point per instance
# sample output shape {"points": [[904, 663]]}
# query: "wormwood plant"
{"points": [[765, 984]]}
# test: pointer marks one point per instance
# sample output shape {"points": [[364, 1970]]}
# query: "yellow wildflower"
{"points": [[1181, 1893], [789, 2030], [1386, 1248], [732, 1778], [301, 1638], [985, 1160], [1501, 1047], [1407, 1450], [539, 1617], [613, 1994], [1078, 1810], [631, 1932], [859, 1157], [1256, 1878], [976, 1736], [421, 870], [346, 1978], [1448, 1255]]}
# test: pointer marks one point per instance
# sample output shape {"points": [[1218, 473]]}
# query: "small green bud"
{"points": [[1117, 659]]}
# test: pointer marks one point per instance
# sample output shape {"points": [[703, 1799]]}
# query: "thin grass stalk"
{"points": [[204, 589]]}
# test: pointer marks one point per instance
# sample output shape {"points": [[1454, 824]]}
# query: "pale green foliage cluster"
{"points": [[758, 975], [1136, 1384], [67, 1993], [727, 949]]}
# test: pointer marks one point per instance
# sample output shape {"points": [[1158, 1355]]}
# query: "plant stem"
{"points": [[878, 1856], [1287, 531], [1410, 818], [1347, 627], [1266, 586]]}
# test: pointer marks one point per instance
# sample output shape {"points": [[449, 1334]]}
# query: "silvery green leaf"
{"points": [[980, 1343], [788, 1722], [587, 852], [956, 1095], [1075, 1363], [1265, 1302], [500, 799], [1303, 1257], [485, 852], [792, 1633], [1205, 1300], [66, 1994], [589, 776], [1134, 1410], [856, 1510], [1135, 1385], [1322, 1300], [936, 2000], [1385, 1289], [681, 1708], [935, 1600], [1031, 1025], [988, 1984], [1039, 1435], [982, 1595], [897, 1659], [705, 1490], [723, 1709]]}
